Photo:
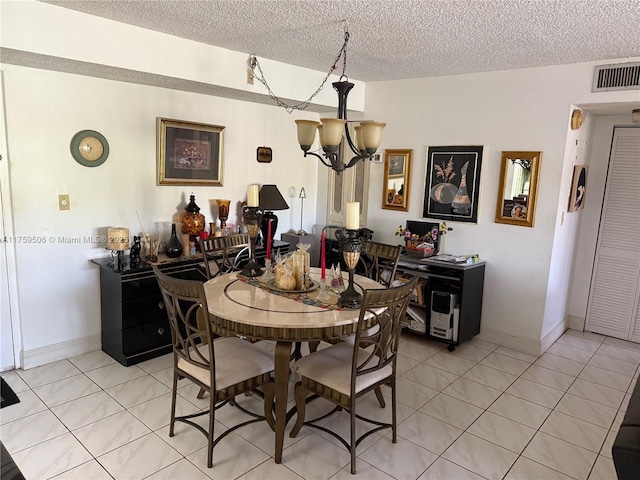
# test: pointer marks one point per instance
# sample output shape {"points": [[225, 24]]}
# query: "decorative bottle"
{"points": [[192, 220], [173, 248]]}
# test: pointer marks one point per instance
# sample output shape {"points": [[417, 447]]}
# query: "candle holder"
{"points": [[253, 219], [223, 212], [351, 243]]}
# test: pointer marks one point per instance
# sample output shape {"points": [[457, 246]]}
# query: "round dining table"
{"points": [[247, 307]]}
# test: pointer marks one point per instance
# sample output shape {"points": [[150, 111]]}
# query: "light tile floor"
{"points": [[482, 411]]}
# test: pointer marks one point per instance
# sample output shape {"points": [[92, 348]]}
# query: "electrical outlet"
{"points": [[249, 76], [63, 202]]}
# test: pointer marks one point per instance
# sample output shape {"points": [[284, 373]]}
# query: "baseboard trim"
{"points": [[576, 323], [555, 333], [521, 344], [57, 351]]}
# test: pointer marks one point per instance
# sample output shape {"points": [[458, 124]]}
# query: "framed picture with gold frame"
{"points": [[518, 188], [189, 153], [397, 180]]}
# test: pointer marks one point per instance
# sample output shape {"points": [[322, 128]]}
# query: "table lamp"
{"points": [[270, 199], [118, 241]]}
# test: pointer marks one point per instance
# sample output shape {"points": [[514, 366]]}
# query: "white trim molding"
{"points": [[58, 351]]}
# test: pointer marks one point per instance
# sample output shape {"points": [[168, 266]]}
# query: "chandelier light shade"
{"points": [[368, 135], [331, 130]]}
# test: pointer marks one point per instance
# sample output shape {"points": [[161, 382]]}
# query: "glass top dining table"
{"points": [[239, 307]]}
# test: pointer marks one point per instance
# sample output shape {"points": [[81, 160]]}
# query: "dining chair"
{"points": [[225, 253], [236, 251], [345, 372], [212, 254], [223, 367], [379, 261]]}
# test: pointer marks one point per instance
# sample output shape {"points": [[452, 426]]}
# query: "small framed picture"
{"points": [[578, 188], [263, 155], [189, 153]]}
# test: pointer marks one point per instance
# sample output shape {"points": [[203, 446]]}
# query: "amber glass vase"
{"points": [[192, 220], [223, 212]]}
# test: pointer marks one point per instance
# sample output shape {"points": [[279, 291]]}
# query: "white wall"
{"points": [[58, 287], [56, 32], [527, 284]]}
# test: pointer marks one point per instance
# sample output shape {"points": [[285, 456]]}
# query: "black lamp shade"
{"points": [[270, 199]]}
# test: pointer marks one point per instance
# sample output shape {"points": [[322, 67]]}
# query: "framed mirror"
{"points": [[518, 188], [397, 180]]}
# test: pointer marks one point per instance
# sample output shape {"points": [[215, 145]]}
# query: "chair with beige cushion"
{"points": [[224, 368], [380, 261], [345, 372]]}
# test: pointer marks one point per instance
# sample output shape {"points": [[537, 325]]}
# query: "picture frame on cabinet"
{"points": [[452, 183], [189, 153]]}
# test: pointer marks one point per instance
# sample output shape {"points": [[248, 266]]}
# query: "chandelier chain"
{"points": [[253, 64]]}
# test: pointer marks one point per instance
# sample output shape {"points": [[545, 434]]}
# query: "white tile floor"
{"points": [[480, 412]]}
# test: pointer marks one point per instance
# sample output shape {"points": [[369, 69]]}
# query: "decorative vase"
{"points": [[443, 193], [173, 249], [192, 220], [223, 212]]}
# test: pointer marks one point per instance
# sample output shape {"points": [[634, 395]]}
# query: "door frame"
{"points": [[7, 250]]}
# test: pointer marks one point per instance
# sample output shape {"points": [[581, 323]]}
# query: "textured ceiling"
{"points": [[395, 39]]}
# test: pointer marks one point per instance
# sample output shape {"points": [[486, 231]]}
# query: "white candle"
{"points": [[353, 215], [253, 195]]}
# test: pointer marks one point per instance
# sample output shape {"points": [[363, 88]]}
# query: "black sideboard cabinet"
{"points": [[134, 321], [465, 281]]}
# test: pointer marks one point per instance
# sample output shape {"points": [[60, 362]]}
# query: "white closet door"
{"points": [[615, 284]]}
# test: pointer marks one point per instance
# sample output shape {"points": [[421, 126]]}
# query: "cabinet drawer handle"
{"points": [[161, 305], [161, 331]]}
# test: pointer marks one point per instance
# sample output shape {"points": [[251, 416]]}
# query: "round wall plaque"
{"points": [[89, 148]]}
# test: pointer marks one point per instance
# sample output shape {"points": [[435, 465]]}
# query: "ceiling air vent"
{"points": [[623, 76]]}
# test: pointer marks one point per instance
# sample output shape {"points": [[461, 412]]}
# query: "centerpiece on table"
{"points": [[422, 246]]}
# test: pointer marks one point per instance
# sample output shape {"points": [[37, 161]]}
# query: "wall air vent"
{"points": [[621, 76]]}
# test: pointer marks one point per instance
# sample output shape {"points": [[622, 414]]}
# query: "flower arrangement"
{"points": [[422, 245]]}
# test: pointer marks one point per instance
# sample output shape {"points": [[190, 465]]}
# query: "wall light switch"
{"points": [[63, 202]]}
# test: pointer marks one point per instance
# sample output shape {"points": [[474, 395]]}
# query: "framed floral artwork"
{"points": [[189, 153], [452, 183]]}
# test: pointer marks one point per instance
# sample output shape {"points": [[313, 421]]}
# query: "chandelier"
{"points": [[368, 134]]}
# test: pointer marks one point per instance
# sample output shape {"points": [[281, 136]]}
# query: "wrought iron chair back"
{"points": [[345, 372], [239, 367], [379, 261]]}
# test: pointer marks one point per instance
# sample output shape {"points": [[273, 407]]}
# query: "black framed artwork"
{"points": [[452, 183]]}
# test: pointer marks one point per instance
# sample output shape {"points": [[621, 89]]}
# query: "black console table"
{"points": [[460, 284], [134, 321]]}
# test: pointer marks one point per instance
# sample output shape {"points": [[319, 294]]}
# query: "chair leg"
{"points": [[313, 346], [297, 352], [394, 429], [212, 420], [380, 397], [269, 391], [174, 392], [201, 393], [300, 394], [352, 430]]}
